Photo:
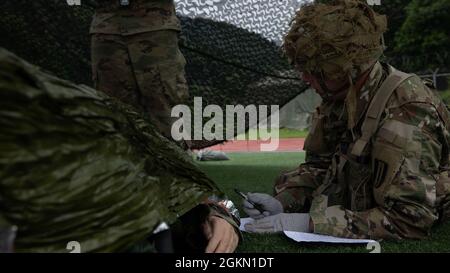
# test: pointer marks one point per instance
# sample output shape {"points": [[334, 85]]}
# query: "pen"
{"points": [[256, 206]]}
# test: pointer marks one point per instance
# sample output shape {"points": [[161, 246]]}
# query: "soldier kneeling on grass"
{"points": [[377, 155]]}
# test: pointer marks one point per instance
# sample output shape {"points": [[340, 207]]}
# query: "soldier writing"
{"points": [[377, 155]]}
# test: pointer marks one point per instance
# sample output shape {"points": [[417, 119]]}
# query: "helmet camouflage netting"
{"points": [[337, 39]]}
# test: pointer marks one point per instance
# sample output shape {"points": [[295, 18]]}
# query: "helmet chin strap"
{"points": [[325, 92], [329, 94]]}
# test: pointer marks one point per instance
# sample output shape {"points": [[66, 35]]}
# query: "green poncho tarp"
{"points": [[75, 165]]}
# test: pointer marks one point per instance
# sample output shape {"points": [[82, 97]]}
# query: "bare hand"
{"points": [[221, 235]]}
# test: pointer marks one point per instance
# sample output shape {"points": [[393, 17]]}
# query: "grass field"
{"points": [[257, 171], [283, 133]]}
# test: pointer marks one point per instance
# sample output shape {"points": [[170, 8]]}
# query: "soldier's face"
{"points": [[327, 85]]}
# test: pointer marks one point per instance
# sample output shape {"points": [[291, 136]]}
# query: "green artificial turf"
{"points": [[282, 133], [257, 171]]}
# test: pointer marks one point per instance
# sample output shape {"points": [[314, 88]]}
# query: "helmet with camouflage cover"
{"points": [[336, 40]]}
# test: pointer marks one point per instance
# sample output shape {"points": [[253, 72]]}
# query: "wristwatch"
{"points": [[231, 208], [226, 205]]}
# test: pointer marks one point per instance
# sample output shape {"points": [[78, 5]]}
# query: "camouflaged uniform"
{"points": [[135, 56], [398, 186]]}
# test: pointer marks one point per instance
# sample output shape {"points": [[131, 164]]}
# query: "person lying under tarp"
{"points": [[79, 166]]}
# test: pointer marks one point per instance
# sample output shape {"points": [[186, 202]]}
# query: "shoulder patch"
{"points": [[397, 133]]}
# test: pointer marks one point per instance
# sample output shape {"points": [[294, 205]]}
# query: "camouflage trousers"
{"points": [[294, 189], [145, 70]]}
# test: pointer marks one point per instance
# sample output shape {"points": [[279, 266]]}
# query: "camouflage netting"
{"points": [[234, 66], [225, 64], [49, 34], [76, 165]]}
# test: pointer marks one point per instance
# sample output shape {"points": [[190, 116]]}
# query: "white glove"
{"points": [[268, 204], [280, 222]]}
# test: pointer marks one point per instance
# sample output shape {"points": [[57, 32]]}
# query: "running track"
{"points": [[285, 145]]}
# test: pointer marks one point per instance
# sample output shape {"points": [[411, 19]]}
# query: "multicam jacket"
{"points": [[398, 187], [139, 16]]}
